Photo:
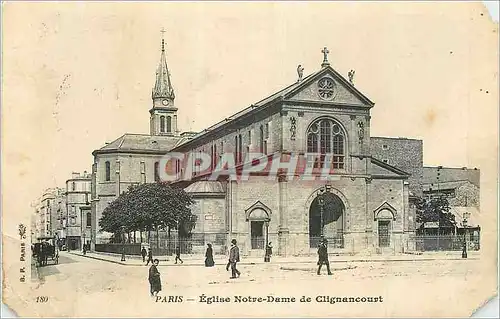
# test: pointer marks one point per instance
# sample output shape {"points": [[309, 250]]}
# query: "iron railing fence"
{"points": [[334, 242], [258, 242], [446, 242], [196, 244]]}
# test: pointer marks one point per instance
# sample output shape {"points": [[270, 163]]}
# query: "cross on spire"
{"points": [[325, 57]]}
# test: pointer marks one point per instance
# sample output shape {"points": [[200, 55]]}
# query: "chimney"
{"points": [[75, 175]]}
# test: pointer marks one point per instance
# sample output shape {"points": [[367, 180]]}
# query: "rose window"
{"points": [[326, 88]]}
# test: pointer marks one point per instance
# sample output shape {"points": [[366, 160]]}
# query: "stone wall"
{"points": [[361, 199], [403, 153]]}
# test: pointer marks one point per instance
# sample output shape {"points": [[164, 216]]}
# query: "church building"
{"points": [[364, 204]]}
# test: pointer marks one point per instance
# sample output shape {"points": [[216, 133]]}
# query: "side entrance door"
{"points": [[384, 238], [257, 234]]}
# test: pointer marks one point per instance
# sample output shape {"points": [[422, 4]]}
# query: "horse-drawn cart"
{"points": [[46, 249]]}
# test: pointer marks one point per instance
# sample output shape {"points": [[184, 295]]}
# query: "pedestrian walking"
{"points": [[144, 253], [269, 252], [84, 249], [150, 257], [154, 278], [178, 254], [234, 257], [323, 256], [209, 256]]}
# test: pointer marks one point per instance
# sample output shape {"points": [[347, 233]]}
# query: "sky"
{"points": [[493, 9], [77, 75]]}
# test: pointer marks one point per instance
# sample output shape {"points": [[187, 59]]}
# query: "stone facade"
{"points": [[367, 196], [372, 193]]}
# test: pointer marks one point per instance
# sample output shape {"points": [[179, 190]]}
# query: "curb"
{"points": [[286, 262]]}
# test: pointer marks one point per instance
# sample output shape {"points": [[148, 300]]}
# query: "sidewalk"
{"points": [[198, 260]]}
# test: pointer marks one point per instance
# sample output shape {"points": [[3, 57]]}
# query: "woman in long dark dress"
{"points": [[269, 252], [209, 256], [154, 278]]}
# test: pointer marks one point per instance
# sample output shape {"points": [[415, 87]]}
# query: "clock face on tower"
{"points": [[164, 102]]}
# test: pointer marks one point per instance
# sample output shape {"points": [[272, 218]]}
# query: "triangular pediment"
{"points": [[385, 211], [260, 209], [340, 91], [379, 168]]}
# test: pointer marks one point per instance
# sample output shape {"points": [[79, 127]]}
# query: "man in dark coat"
{"points": [[150, 257], [178, 254], [323, 256], [209, 256], [234, 257], [154, 278], [144, 254]]}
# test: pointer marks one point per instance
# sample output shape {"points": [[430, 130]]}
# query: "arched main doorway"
{"points": [[333, 221]]}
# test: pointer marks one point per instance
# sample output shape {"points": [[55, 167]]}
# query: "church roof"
{"points": [[382, 169], [205, 187], [284, 94], [140, 143]]}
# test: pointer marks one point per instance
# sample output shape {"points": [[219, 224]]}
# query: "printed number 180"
{"points": [[42, 299]]}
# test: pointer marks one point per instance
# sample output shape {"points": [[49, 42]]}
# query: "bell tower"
{"points": [[163, 114]]}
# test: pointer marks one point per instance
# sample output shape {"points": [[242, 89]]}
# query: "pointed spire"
{"points": [[163, 86]]}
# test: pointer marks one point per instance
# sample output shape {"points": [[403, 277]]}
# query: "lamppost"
{"points": [[321, 202], [439, 201], [123, 243], [267, 258], [464, 224]]}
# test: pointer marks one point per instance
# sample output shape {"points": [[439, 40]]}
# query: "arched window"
{"points": [[157, 171], [325, 136], [261, 139], [240, 150], [89, 219], [107, 167], [162, 124], [169, 124], [236, 150], [177, 166], [215, 157]]}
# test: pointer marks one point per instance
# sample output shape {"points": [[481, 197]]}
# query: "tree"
{"points": [[148, 207], [435, 210]]}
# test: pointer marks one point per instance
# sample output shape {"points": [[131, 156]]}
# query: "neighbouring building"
{"points": [[461, 187], [49, 214], [79, 217], [368, 195]]}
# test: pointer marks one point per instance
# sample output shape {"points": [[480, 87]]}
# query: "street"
{"points": [[81, 286]]}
